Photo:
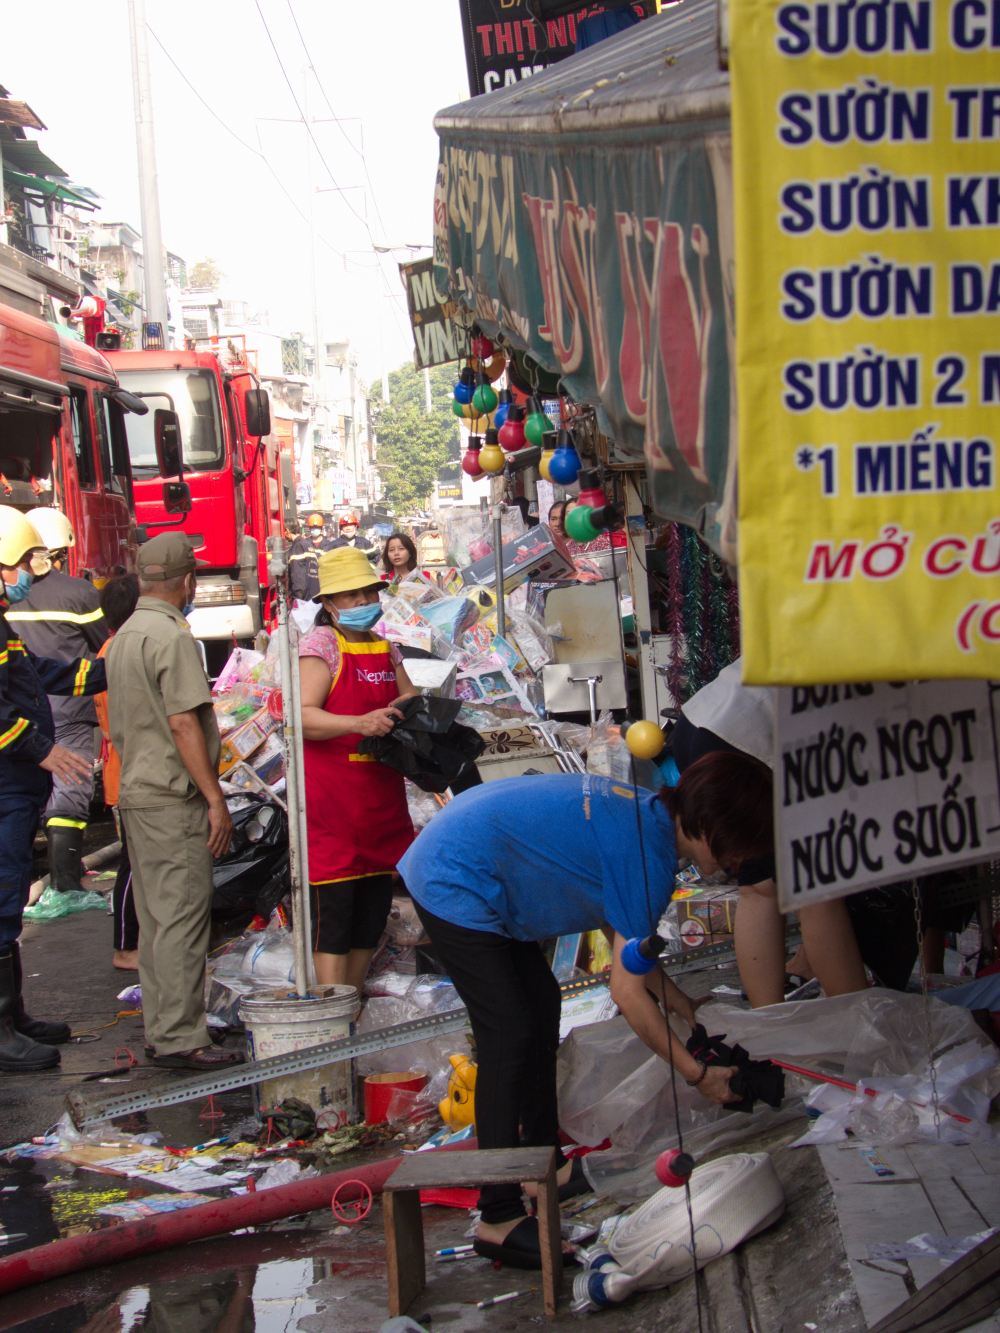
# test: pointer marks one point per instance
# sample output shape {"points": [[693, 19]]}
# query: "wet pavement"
{"points": [[312, 1273]]}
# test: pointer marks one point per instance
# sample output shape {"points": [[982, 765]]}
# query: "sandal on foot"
{"points": [[520, 1248], [577, 1183], [204, 1058]]}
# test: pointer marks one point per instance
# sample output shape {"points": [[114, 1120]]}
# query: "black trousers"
{"points": [[513, 1002], [126, 923]]}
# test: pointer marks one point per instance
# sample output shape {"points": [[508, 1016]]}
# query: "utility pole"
{"points": [[149, 196], [428, 401], [318, 393]]}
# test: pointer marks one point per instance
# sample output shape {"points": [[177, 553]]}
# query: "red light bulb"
{"points": [[512, 430]]}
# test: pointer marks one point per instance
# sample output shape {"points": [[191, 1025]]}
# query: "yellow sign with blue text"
{"points": [[866, 156]]}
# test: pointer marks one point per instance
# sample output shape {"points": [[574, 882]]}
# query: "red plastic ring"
{"points": [[128, 1061], [359, 1213]]}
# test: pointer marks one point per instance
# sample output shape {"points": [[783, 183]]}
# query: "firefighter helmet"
{"points": [[314, 521], [55, 528], [346, 519], [18, 536]]}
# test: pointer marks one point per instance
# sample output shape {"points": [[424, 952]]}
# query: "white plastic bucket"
{"points": [[276, 1024]]}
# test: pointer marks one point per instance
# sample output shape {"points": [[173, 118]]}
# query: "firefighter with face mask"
{"points": [[29, 759], [61, 619], [303, 559]]}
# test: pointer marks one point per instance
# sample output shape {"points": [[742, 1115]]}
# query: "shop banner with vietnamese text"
{"points": [[866, 154], [877, 783]]}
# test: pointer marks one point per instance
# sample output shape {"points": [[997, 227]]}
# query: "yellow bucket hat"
{"points": [[345, 569]]}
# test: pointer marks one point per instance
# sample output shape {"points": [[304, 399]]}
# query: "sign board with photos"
{"points": [[875, 784]]}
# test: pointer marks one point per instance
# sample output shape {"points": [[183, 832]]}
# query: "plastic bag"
{"points": [[423, 995], [428, 746], [270, 958], [403, 925], [285, 1171], [52, 904], [254, 872]]}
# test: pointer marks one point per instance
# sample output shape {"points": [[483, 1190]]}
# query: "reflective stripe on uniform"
{"points": [[73, 617], [301, 555], [80, 682], [58, 822], [17, 646], [12, 733]]}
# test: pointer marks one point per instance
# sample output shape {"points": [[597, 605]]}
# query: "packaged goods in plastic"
{"points": [[422, 996], [612, 1086]]}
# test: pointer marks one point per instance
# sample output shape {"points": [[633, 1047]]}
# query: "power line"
{"points": [[333, 113], [257, 152], [309, 129]]}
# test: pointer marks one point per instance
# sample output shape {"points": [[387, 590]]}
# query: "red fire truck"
{"points": [[63, 441], [231, 476]]}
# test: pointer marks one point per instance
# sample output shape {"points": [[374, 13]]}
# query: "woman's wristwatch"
{"points": [[693, 1082]]}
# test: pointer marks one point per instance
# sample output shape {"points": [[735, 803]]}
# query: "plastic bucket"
{"points": [[379, 1089], [276, 1025]]}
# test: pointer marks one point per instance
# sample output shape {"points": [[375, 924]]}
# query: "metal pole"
{"points": [[498, 561], [149, 197], [300, 765], [318, 393], [428, 400], [294, 784]]}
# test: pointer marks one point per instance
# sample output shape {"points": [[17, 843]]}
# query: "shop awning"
{"points": [[586, 212], [50, 189], [25, 155]]}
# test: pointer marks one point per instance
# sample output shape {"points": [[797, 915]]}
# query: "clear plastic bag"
{"points": [[285, 1171], [52, 904]]}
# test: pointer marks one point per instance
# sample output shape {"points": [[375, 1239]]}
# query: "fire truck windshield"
{"points": [[194, 396]]}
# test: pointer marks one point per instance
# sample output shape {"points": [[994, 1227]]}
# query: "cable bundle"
{"points": [[732, 1198]]}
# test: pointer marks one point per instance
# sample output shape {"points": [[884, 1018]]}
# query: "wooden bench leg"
{"points": [[404, 1248], [550, 1239]]}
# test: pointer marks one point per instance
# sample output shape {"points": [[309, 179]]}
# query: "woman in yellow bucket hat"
{"points": [[358, 822]]}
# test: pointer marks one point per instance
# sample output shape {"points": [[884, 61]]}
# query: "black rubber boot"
{"points": [[65, 856], [49, 1034], [18, 1053]]}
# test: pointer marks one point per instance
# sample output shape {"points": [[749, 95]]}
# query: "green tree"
{"points": [[206, 274], [415, 447]]}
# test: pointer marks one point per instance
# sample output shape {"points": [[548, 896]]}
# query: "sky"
{"points": [[386, 69]]}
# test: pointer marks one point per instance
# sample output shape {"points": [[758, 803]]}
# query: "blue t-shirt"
{"points": [[533, 857]]}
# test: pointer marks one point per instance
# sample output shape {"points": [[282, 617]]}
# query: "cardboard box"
{"points": [[705, 919], [535, 554], [242, 742]]}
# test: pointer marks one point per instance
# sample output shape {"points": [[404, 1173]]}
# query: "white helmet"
{"points": [[18, 536], [55, 528]]}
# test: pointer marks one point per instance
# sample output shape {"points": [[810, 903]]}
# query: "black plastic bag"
{"points": [[428, 746], [254, 872]]}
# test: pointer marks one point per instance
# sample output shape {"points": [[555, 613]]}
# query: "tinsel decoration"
{"points": [[702, 613]]}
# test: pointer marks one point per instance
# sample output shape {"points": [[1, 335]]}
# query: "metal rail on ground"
{"points": [[85, 1111]]}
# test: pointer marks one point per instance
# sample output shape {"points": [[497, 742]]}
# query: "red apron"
{"points": [[356, 811]]}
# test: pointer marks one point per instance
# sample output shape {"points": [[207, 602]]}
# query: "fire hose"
{"points": [[219, 1217], [732, 1198]]}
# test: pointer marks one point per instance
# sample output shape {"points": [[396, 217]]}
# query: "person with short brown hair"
{"points": [[175, 816]]}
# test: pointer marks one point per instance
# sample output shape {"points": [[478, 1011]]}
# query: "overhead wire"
{"points": [[257, 152], [364, 221]]}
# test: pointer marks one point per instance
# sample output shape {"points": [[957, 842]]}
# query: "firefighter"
{"points": [[303, 557], [29, 759], [351, 535], [61, 618]]}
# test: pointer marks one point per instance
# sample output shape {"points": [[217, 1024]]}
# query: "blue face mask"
{"points": [[360, 617], [18, 591], [188, 608]]}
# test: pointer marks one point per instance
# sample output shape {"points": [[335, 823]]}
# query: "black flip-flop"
{"points": [[577, 1183], [520, 1248]]}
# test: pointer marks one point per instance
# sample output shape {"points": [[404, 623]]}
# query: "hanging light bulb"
{"points": [[479, 423], [459, 408], [644, 739], [504, 400], [512, 431], [548, 452], [491, 457], [485, 397], [496, 366], [565, 463], [537, 423], [466, 385], [470, 461], [483, 347], [585, 522], [590, 487]]}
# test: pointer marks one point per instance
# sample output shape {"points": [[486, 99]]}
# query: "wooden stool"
{"points": [[404, 1227]]}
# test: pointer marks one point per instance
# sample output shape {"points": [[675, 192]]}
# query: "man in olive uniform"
{"points": [[163, 726]]}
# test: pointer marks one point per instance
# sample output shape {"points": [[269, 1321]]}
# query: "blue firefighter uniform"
{"points": [[26, 737]]}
